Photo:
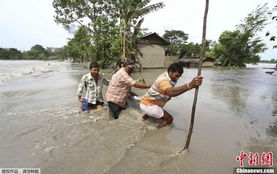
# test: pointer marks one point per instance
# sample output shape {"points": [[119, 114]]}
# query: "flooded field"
{"points": [[41, 124]]}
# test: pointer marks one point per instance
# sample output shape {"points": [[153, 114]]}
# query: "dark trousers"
{"points": [[93, 106], [114, 109]]}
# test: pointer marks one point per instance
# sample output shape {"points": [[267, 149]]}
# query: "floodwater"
{"points": [[41, 125]]}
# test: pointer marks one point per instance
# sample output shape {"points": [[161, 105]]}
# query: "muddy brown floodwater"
{"points": [[41, 124]]}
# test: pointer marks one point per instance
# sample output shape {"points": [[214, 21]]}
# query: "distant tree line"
{"points": [[10, 53], [37, 52], [269, 61]]}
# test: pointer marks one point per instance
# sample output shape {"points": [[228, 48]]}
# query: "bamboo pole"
{"points": [[202, 56]]}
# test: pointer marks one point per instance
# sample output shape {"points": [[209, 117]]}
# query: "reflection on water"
{"points": [[244, 91], [274, 102], [41, 124], [272, 129], [228, 89]]}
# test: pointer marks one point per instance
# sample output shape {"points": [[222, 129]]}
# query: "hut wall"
{"points": [[153, 55], [207, 64], [169, 60]]}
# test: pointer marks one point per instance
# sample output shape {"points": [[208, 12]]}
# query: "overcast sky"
{"points": [[24, 23]]}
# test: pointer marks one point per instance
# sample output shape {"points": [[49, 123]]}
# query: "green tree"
{"points": [[192, 50], [131, 15], [175, 37], [37, 52], [38, 48], [273, 19], [177, 40], [15, 53], [189, 50], [4, 53], [235, 48], [10, 53], [114, 25], [80, 47], [255, 21], [96, 15], [179, 46]]}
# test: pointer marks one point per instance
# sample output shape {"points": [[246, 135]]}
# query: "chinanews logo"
{"points": [[255, 163]]}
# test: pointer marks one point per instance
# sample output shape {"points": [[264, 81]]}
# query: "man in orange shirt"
{"points": [[162, 90]]}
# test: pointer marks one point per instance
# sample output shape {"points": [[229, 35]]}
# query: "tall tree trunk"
{"points": [[202, 56], [123, 56]]}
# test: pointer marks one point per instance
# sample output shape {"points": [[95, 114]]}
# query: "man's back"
{"points": [[119, 88]]}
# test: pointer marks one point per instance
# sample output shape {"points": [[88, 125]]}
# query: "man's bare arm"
{"points": [[175, 91], [141, 85]]}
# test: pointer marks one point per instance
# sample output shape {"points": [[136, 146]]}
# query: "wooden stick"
{"points": [[202, 56]]}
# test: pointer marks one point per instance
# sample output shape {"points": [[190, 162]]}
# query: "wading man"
{"points": [[120, 87], [162, 90], [91, 85]]}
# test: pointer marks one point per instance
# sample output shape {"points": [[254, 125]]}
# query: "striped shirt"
{"points": [[93, 90], [156, 94], [119, 88]]}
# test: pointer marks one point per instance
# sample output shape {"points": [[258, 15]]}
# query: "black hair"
{"points": [[127, 62], [175, 67], [93, 64]]}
